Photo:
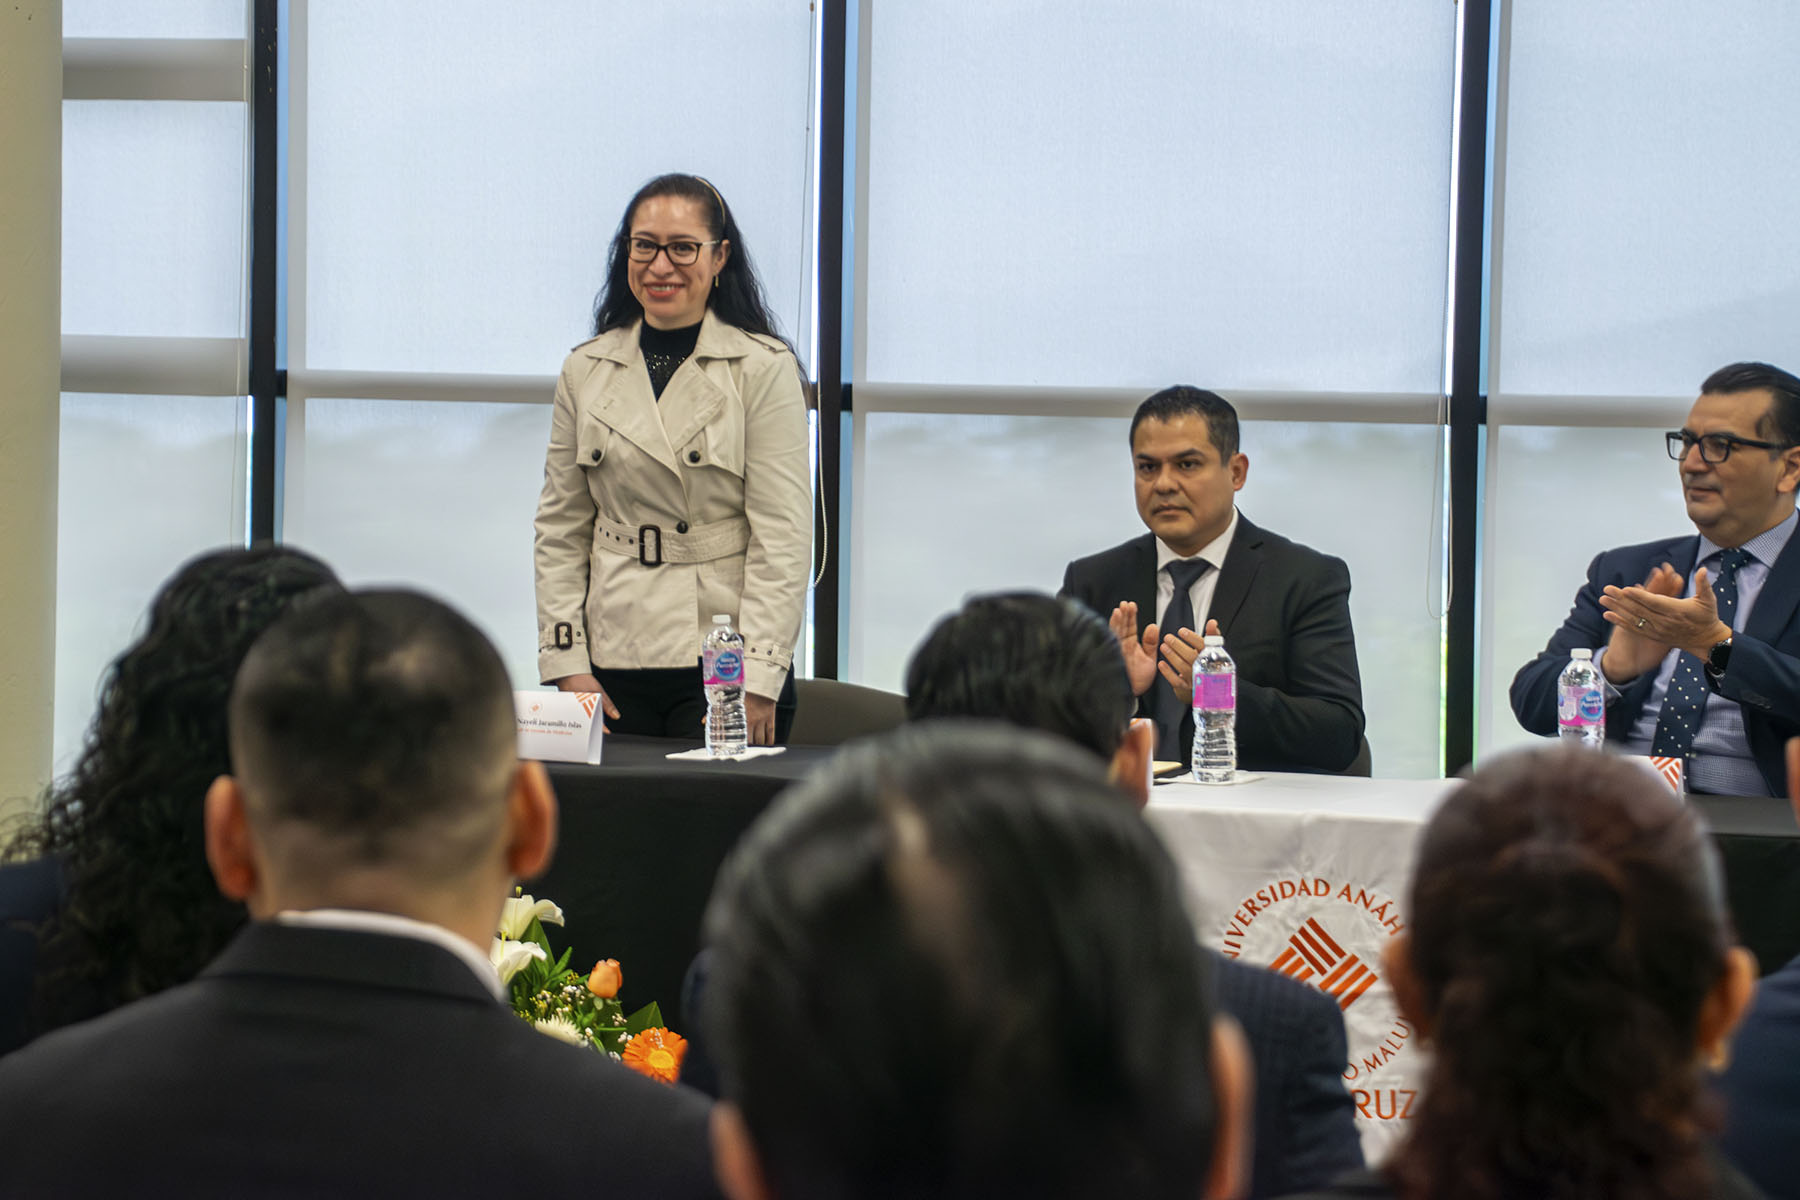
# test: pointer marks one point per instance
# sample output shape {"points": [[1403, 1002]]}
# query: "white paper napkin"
{"points": [[702, 755]]}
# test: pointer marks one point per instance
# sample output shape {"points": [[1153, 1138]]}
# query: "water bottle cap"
{"points": [[1213, 639], [721, 618], [1581, 655]]}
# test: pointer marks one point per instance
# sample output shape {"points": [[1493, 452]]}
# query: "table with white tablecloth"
{"points": [[1307, 874]]}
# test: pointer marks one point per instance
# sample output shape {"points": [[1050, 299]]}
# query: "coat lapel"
{"points": [[1780, 594], [618, 394], [1140, 580], [1242, 561]]}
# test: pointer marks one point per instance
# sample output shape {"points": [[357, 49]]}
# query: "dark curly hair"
{"points": [[738, 300], [1568, 923], [140, 911]]}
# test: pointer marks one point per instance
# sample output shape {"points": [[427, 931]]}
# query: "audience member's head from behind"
{"points": [[951, 964], [141, 912], [1571, 963], [1039, 662], [374, 767], [1187, 466]]}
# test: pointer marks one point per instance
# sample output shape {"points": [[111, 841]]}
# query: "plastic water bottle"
{"points": [[1215, 713], [1581, 701], [722, 670]]}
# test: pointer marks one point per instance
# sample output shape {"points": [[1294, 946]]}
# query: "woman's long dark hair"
{"points": [[738, 300], [141, 912], [1568, 923]]}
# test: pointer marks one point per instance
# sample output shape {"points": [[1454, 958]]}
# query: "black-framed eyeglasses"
{"points": [[682, 253], [1715, 448]]}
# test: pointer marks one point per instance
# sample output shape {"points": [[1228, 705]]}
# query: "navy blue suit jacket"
{"points": [[319, 1062], [29, 895], [1284, 609], [1761, 1087], [1763, 676], [1305, 1127]]}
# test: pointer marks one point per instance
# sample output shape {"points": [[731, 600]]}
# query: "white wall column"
{"points": [[30, 390]]}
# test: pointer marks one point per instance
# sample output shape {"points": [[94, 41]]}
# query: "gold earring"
{"points": [[715, 283]]}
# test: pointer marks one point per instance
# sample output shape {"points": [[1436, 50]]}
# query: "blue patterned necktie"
{"points": [[1686, 698], [1165, 705]]}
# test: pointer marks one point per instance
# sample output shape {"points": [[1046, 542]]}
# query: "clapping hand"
{"points": [[1139, 652], [1648, 620], [1179, 650]]}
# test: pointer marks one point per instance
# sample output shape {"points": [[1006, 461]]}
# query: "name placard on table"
{"points": [[559, 726]]}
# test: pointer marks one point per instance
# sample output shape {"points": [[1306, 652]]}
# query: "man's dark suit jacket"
{"points": [[1761, 1087], [1305, 1128], [29, 894], [1284, 609], [1763, 675], [323, 1062]]}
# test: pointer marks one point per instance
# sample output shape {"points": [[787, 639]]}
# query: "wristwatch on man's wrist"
{"points": [[1719, 657]]}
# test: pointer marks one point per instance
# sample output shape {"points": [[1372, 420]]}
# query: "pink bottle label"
{"points": [[1581, 709], [1216, 692]]}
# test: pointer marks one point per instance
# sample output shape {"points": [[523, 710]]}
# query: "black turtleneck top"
{"points": [[664, 351]]}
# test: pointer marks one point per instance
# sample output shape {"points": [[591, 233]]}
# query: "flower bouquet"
{"points": [[582, 1011]]}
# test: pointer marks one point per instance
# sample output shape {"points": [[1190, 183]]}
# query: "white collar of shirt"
{"points": [[393, 925], [1764, 548], [1213, 552]]}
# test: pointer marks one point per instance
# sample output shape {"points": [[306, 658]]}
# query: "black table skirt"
{"points": [[640, 843], [643, 838]]}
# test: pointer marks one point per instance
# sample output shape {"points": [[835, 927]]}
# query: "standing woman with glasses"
{"points": [[676, 485]]}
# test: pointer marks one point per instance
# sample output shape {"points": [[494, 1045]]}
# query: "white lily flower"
{"points": [[517, 915], [509, 957], [562, 1029]]}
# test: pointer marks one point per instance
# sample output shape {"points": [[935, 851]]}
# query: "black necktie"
{"points": [[1686, 698], [1166, 706]]}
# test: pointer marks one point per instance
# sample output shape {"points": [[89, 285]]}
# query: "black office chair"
{"points": [[830, 712]]}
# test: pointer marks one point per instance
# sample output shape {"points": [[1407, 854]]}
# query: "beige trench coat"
{"points": [[719, 467]]}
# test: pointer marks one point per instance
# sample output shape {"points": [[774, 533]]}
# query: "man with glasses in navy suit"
{"points": [[1698, 635]]}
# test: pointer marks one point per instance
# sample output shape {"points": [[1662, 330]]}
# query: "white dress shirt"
{"points": [[1202, 591], [393, 925]]}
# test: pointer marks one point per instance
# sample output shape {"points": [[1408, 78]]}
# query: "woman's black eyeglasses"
{"points": [[682, 254]]}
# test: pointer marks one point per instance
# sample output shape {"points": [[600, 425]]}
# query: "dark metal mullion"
{"points": [[827, 601], [265, 384], [1468, 403]]}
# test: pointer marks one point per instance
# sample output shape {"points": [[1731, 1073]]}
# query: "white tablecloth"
{"points": [[1308, 873]]}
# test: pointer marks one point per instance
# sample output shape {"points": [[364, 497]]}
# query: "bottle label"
{"points": [[1583, 708], [1216, 692], [724, 668]]}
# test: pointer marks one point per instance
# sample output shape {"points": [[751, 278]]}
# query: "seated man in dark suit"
{"points": [[1282, 608], [1760, 1085], [1729, 652], [353, 1040], [951, 964], [1050, 664]]}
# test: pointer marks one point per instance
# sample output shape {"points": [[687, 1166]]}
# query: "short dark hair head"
{"points": [[1028, 659], [737, 300], [1568, 921], [1181, 400], [381, 723], [1783, 421], [951, 964]]}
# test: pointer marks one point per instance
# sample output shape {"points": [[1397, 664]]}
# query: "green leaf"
{"points": [[648, 1017]]}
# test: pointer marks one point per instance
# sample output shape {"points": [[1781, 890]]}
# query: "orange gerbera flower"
{"points": [[656, 1053]]}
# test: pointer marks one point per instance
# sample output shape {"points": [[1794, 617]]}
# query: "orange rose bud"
{"points": [[606, 978]]}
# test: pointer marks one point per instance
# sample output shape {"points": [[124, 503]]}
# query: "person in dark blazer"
{"points": [[1759, 1086], [1728, 652], [1048, 663], [353, 1039], [1282, 608]]}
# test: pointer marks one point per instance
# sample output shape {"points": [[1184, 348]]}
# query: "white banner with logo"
{"points": [[1307, 874], [559, 726]]}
